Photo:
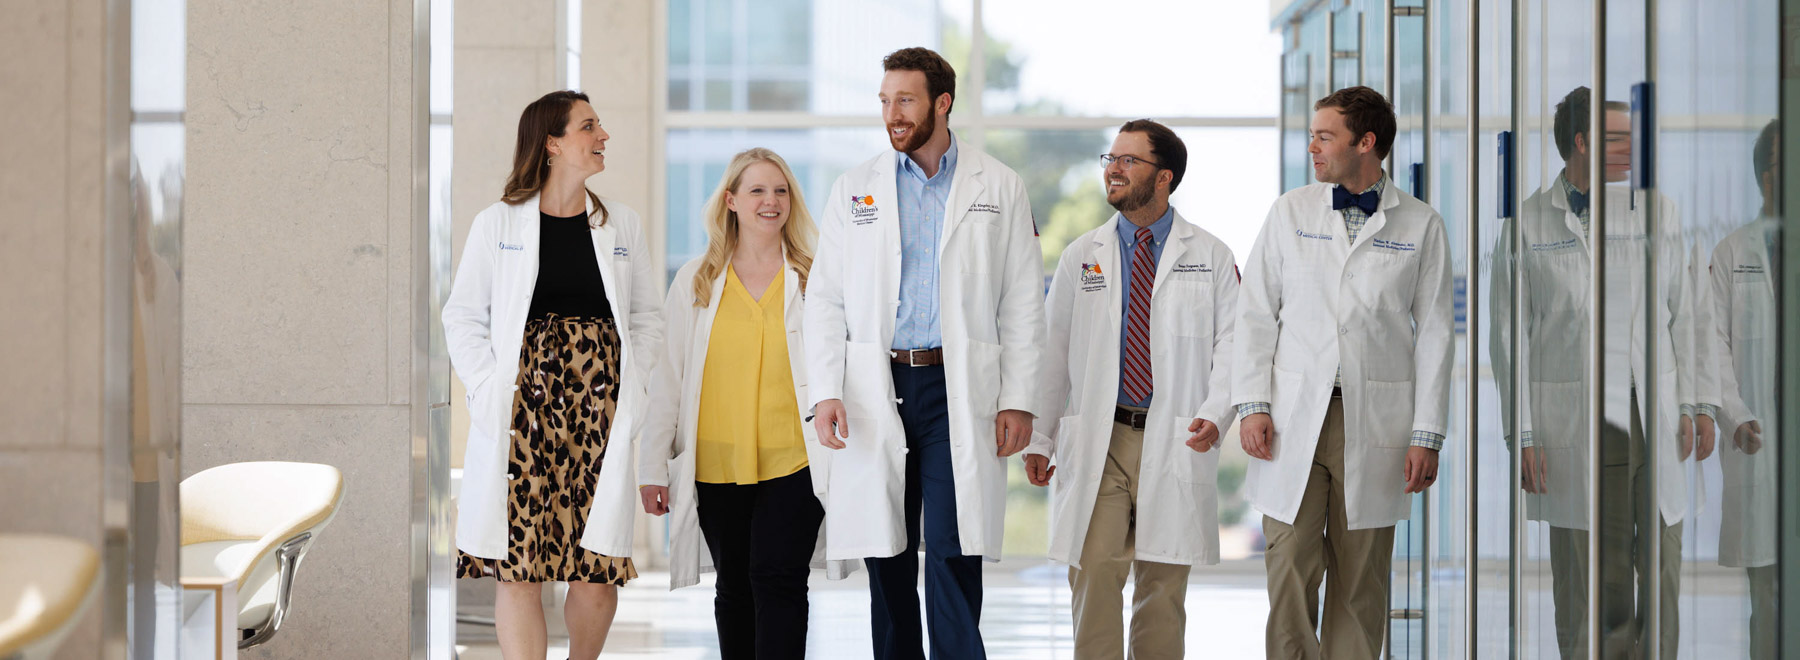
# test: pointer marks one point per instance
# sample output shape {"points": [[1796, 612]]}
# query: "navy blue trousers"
{"points": [[952, 579]]}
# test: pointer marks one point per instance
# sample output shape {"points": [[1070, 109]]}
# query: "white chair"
{"points": [[46, 583], [253, 523]]}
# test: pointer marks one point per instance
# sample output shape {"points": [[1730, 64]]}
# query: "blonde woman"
{"points": [[726, 453], [552, 324]]}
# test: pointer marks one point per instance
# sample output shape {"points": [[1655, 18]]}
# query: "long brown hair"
{"points": [[546, 117], [797, 235]]}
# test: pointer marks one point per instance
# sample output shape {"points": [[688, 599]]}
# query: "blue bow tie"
{"points": [[1578, 202], [1367, 201]]}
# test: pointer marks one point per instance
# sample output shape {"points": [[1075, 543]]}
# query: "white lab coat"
{"points": [[1192, 314], [1746, 342], [666, 445], [991, 312], [484, 325], [1555, 363], [1379, 308]]}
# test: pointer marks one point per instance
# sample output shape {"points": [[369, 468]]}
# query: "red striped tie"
{"points": [[1137, 319]]}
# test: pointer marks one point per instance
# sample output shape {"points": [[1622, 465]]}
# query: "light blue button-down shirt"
{"points": [[922, 203], [1159, 234]]}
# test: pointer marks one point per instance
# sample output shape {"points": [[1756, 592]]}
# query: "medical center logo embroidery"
{"points": [[1091, 278], [862, 209]]}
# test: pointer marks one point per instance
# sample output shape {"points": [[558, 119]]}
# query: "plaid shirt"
{"points": [[1354, 220]]}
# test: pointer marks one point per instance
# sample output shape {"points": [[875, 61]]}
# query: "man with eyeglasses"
{"points": [[1136, 377], [1554, 362]]}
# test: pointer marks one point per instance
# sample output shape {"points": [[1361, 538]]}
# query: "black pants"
{"points": [[762, 538]]}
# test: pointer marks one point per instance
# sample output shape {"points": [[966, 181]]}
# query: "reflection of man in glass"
{"points": [[1554, 367], [1745, 270]]}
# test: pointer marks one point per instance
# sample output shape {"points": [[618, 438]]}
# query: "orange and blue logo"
{"points": [[1090, 269]]}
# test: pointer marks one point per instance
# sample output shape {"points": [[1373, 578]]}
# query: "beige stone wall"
{"points": [[51, 231], [299, 287]]}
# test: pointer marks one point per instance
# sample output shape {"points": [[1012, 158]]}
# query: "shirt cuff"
{"points": [[1707, 409], [1254, 407], [1428, 440], [1687, 410]]}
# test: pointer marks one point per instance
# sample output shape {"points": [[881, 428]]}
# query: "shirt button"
{"points": [[1349, 276], [1343, 330]]}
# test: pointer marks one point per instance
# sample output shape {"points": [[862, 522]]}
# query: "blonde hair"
{"points": [[797, 235]]}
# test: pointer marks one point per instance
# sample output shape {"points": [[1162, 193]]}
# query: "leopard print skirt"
{"points": [[562, 411]]}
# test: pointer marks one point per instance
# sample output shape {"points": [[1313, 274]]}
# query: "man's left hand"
{"points": [[1421, 469], [1012, 431]]}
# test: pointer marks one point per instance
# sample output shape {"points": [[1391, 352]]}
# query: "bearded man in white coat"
{"points": [[924, 323], [1137, 375], [1342, 379]]}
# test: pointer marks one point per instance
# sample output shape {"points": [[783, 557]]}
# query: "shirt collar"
{"points": [[946, 163], [1159, 230]]}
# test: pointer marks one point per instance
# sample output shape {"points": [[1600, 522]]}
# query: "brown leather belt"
{"points": [[919, 357], [1337, 392], [1132, 418]]}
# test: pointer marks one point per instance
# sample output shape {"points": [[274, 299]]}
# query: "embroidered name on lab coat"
{"points": [[863, 209], [979, 207], [1091, 278], [1191, 268], [512, 246], [1563, 244], [1395, 245], [1747, 269], [1316, 237], [621, 252]]}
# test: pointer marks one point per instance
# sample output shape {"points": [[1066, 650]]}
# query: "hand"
{"points": [[1421, 469], [1012, 431], [1686, 434], [832, 423], [1038, 469], [1205, 435], [1257, 434], [1709, 431], [656, 499], [1748, 437], [1535, 471]]}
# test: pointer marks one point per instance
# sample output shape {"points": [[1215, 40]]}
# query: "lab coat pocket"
{"points": [[1558, 415], [1191, 466], [481, 410], [1068, 435], [981, 251], [1389, 412]]}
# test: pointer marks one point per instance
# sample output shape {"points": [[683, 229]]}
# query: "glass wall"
{"points": [[1617, 315]]}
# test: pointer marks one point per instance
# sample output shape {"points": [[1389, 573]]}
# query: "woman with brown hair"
{"points": [[553, 325]]}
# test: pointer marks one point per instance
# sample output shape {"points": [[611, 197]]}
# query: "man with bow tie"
{"points": [[1342, 380]]}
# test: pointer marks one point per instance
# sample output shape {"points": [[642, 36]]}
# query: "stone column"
{"points": [[300, 288]]}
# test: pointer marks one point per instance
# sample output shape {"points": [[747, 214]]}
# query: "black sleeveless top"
{"points": [[568, 279]]}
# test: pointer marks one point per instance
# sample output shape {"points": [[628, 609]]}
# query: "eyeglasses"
{"points": [[1127, 162]]}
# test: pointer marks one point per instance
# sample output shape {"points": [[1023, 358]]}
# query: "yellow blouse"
{"points": [[749, 428]]}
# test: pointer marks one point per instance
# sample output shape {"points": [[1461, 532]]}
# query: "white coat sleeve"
{"points": [[1733, 408], [656, 442], [824, 326], [467, 314], [1021, 306], [1678, 294], [1506, 366], [1259, 315], [1434, 322], [1217, 408], [1053, 374]]}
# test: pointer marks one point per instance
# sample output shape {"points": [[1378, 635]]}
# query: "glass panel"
{"points": [[1174, 47], [790, 55], [1716, 166]]}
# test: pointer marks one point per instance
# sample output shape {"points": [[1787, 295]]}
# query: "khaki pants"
{"points": [[1300, 555], [1628, 504], [1158, 614]]}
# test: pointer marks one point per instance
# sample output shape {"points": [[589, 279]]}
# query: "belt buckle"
{"points": [[912, 357], [1139, 419]]}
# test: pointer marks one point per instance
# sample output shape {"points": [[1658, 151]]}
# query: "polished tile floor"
{"points": [[1025, 616]]}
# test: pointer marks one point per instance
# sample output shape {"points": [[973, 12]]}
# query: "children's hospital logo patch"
{"points": [[1091, 278], [863, 209]]}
